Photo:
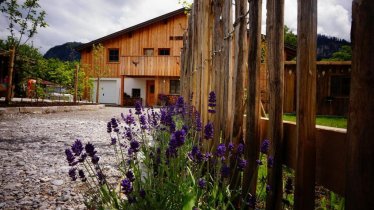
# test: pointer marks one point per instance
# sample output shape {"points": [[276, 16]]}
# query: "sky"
{"points": [[84, 21]]}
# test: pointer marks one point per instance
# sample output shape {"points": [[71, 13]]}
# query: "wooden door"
{"points": [[150, 95]]}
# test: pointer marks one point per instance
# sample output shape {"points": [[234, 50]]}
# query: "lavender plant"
{"points": [[162, 162]]}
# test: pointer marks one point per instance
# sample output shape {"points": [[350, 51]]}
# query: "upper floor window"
{"points": [[113, 55], [164, 51], [174, 87], [148, 51]]}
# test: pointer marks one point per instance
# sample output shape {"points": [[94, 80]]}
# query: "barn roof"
{"points": [[131, 29]]}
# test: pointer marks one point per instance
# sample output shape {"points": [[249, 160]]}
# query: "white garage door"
{"points": [[108, 91]]}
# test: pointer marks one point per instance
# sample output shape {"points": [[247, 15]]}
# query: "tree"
{"points": [[344, 54], [99, 69], [23, 22], [289, 37]]}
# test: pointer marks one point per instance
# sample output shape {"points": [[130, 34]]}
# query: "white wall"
{"points": [[110, 87], [139, 83]]}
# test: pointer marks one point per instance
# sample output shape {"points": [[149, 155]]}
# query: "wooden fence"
{"points": [[216, 57]]}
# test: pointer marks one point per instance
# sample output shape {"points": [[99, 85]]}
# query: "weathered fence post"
{"points": [[9, 93], [275, 64], [360, 147], [76, 83], [252, 136], [306, 104]]}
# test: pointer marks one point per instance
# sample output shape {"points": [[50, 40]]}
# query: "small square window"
{"points": [[148, 51], [135, 93], [113, 55], [164, 51], [174, 87]]}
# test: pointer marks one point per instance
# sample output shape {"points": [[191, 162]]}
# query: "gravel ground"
{"points": [[33, 167]]}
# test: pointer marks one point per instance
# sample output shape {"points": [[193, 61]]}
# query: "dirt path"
{"points": [[33, 167]]}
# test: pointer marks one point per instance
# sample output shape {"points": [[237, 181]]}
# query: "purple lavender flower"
{"points": [[113, 141], [143, 122], [268, 188], [240, 149], [82, 158], [126, 186], [130, 175], [142, 193], [138, 108], [208, 131], [265, 146], [202, 183], [225, 171], [172, 126], [73, 174], [251, 201], [259, 162], [221, 150], [230, 147], [90, 149], [69, 156], [198, 123], [77, 147], [242, 163], [128, 134], [114, 123], [109, 127], [100, 177], [185, 128], [134, 145], [180, 105], [212, 102], [177, 138], [82, 175], [129, 120], [288, 187], [95, 159], [270, 161]]}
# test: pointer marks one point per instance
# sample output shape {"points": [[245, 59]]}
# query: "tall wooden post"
{"points": [[306, 104], [253, 99], [122, 90], [360, 160], [275, 64], [76, 83], [12, 53]]}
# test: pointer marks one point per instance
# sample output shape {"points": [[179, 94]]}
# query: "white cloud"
{"points": [[83, 21]]}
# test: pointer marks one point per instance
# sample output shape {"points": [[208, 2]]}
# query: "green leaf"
{"points": [[189, 201]]}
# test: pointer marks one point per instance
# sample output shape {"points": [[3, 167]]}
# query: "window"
{"points": [[339, 86], [148, 51], [174, 87], [113, 55], [135, 93], [164, 51]]}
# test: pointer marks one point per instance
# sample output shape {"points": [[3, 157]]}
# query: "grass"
{"points": [[331, 121]]}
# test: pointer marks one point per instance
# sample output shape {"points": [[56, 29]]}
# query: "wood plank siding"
{"points": [[164, 32]]}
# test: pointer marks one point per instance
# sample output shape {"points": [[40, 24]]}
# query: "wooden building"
{"points": [[140, 62]]}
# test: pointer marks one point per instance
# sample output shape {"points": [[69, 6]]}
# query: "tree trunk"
{"points": [[360, 147], [9, 94], [97, 89]]}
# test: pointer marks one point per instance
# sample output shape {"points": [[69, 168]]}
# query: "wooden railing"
{"points": [[150, 65]]}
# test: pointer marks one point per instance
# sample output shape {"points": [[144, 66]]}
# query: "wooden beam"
{"points": [[275, 64], [306, 104], [252, 135], [122, 90], [360, 161], [9, 94], [76, 83]]}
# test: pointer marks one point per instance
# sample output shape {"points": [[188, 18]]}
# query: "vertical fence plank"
{"points": [[275, 64], [217, 64], [306, 108], [360, 168], [252, 136]]}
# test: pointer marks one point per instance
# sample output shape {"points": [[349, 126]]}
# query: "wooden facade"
{"points": [[333, 79], [149, 50]]}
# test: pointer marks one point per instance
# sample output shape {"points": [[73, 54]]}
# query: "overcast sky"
{"points": [[83, 20]]}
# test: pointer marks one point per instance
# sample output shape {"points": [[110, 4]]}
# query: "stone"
{"points": [[44, 179], [58, 182], [20, 163]]}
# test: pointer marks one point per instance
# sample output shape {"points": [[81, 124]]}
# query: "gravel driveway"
{"points": [[33, 167]]}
